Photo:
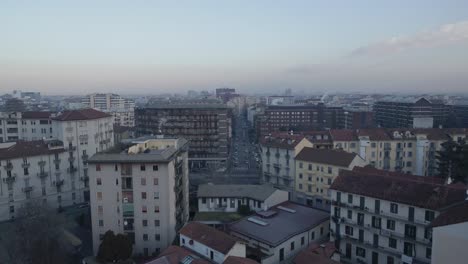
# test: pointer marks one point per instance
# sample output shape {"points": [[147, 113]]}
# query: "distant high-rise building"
{"points": [[206, 126], [410, 113], [358, 119], [226, 94], [141, 192], [122, 109]]}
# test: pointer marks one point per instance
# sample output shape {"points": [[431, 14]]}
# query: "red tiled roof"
{"points": [[374, 134], [208, 236], [326, 156], [409, 191], [81, 114], [373, 171], [317, 254], [36, 115], [453, 215], [27, 149], [343, 135], [239, 260], [175, 254]]}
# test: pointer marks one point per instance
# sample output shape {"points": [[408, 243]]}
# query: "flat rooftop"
{"points": [[285, 224]]}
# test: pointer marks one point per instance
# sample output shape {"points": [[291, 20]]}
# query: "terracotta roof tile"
{"points": [[28, 149], [326, 156], [317, 254], [36, 115], [81, 114], [175, 254], [343, 135], [453, 215], [209, 236], [411, 191], [239, 260]]}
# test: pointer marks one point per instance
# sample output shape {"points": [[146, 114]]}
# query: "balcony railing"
{"points": [[27, 189], [57, 161], [70, 149], [42, 174], [276, 165], [26, 165], [59, 183], [128, 209], [84, 178], [72, 170], [9, 166], [10, 179]]}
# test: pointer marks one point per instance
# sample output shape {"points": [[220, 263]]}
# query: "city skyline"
{"points": [[87, 47]]}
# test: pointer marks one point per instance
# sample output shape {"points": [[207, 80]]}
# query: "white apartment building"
{"points": [[122, 109], [210, 243], [411, 151], [36, 171], [83, 132], [384, 217], [25, 126], [141, 191], [228, 198], [280, 233], [278, 153]]}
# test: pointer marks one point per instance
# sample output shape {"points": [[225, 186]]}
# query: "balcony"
{"points": [[276, 165], [387, 147], [70, 149], [26, 165], [84, 178], [72, 170], [42, 174], [71, 159], [10, 179], [9, 166], [41, 163], [57, 161], [59, 183], [27, 189], [128, 209]]}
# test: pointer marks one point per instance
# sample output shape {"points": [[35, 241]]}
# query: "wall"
{"points": [[450, 244]]}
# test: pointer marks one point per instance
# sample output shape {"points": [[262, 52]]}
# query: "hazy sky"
{"points": [[74, 47]]}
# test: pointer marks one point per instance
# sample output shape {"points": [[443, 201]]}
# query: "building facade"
{"points": [[25, 126], [206, 126], [278, 153], [388, 220], [141, 192], [316, 169], [36, 171], [122, 109]]}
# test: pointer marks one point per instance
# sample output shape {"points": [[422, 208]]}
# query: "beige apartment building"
{"points": [[141, 191], [316, 169]]}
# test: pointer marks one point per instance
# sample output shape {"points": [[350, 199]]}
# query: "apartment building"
{"points": [[206, 126], [122, 109], [280, 233], [226, 94], [83, 132], [357, 118], [228, 198], [25, 126], [36, 171], [449, 231], [384, 217], [278, 153], [410, 113], [142, 191], [299, 118], [316, 169]]}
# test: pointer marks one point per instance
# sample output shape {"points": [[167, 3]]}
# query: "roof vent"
{"points": [[257, 221], [289, 210]]}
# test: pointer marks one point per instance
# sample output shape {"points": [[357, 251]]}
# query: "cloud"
{"points": [[445, 34]]}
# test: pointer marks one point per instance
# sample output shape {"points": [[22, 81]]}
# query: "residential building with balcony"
{"points": [[449, 233], [207, 126], [26, 126], [278, 166], [384, 217], [228, 198], [36, 171], [142, 191], [122, 109], [316, 169], [84, 132], [280, 233]]}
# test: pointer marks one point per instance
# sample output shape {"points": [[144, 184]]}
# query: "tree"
{"points": [[35, 236], [453, 161], [244, 209], [114, 248]]}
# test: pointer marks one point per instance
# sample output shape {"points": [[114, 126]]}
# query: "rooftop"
{"points": [[239, 260], [317, 253], [281, 141], [22, 149], [326, 156], [282, 226], [412, 190], [257, 192], [453, 215], [36, 115], [81, 114], [223, 217], [208, 236], [201, 106], [175, 255]]}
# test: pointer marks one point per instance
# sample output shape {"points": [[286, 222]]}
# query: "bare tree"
{"points": [[36, 236]]}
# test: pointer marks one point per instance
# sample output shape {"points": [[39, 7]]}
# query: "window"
{"points": [[155, 181], [144, 222], [390, 260], [281, 254], [411, 214], [310, 166], [427, 233], [12, 209], [410, 154], [156, 223], [360, 252], [321, 230], [410, 231], [203, 200], [361, 235], [376, 222], [330, 170], [157, 237], [350, 214], [348, 230], [337, 211], [26, 171], [410, 145], [390, 224], [300, 175], [98, 181], [300, 165], [156, 209], [300, 186], [360, 219], [408, 164], [392, 243], [429, 215], [99, 196], [155, 167], [302, 241], [292, 245], [143, 181], [101, 222], [143, 195], [408, 249], [428, 253], [338, 197], [394, 208], [142, 167], [100, 209], [98, 167], [145, 237], [361, 203], [350, 198], [375, 257], [156, 195], [312, 236], [144, 209]]}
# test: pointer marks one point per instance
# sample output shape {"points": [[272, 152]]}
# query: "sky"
{"points": [[149, 47]]}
